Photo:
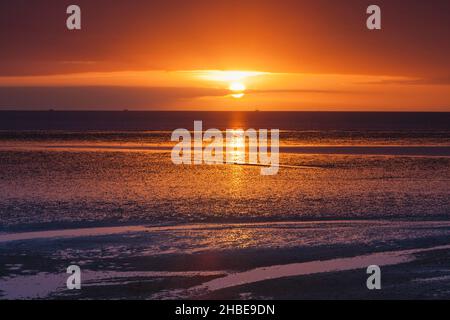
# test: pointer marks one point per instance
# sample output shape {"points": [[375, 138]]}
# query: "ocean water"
{"points": [[99, 190], [68, 169]]}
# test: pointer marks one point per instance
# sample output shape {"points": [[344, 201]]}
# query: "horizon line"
{"points": [[247, 111]]}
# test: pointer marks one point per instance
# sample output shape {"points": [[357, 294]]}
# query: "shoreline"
{"points": [[123, 229], [231, 261]]}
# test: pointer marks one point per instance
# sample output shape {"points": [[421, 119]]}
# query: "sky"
{"points": [[225, 55]]}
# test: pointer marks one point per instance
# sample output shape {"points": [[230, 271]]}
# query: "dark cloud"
{"points": [[320, 91], [116, 98], [101, 98], [419, 81]]}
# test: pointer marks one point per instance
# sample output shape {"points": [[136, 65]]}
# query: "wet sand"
{"points": [[381, 150], [299, 260]]}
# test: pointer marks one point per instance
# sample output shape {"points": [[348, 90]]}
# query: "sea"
{"points": [[63, 169], [99, 190]]}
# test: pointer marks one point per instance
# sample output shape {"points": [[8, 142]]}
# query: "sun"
{"points": [[233, 79], [237, 86]]}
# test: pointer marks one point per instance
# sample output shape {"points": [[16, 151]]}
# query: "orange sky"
{"points": [[171, 55]]}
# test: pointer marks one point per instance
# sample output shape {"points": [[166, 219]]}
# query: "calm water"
{"points": [[79, 168]]}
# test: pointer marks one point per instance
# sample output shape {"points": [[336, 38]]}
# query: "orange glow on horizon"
{"points": [[285, 55], [212, 90], [227, 76]]}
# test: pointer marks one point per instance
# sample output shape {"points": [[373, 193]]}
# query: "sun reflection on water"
{"points": [[236, 147]]}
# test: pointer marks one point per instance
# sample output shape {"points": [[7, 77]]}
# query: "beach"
{"points": [[302, 260], [140, 227]]}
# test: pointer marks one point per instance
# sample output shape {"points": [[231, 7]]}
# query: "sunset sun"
{"points": [[238, 89], [233, 80], [237, 86]]}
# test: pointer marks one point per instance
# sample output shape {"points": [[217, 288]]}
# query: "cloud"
{"points": [[321, 91], [414, 81], [100, 97]]}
